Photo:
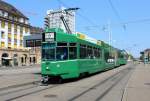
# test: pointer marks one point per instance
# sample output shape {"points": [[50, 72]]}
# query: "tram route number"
{"points": [[50, 36]]}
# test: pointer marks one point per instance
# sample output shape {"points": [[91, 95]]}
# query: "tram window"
{"points": [[89, 52], [96, 53], [83, 46], [48, 54], [48, 45], [72, 53], [99, 53], [61, 44], [106, 56], [121, 56], [61, 53], [72, 44], [82, 53]]}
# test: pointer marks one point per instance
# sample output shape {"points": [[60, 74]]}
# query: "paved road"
{"points": [[138, 87], [113, 85]]}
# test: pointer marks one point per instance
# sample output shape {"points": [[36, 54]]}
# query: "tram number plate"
{"points": [[50, 36]]}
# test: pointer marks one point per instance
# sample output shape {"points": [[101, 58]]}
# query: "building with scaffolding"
{"points": [[53, 19]]}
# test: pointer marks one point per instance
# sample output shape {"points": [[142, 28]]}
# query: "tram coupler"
{"points": [[44, 80]]}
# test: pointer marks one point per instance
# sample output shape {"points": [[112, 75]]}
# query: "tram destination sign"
{"points": [[49, 37]]}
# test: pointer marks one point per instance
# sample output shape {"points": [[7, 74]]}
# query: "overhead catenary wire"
{"points": [[79, 14], [118, 24], [114, 10], [94, 26]]}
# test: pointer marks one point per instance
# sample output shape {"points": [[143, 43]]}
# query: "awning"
{"points": [[7, 58]]}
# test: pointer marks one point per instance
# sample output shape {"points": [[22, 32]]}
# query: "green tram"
{"points": [[73, 55]]}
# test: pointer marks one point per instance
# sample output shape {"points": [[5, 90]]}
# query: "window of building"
{"points": [[15, 28], [21, 42], [3, 24], [1, 14], [2, 34], [9, 45], [5, 14], [15, 45], [15, 36], [9, 40], [38, 43], [10, 17], [21, 30], [26, 30], [18, 19], [9, 25], [15, 41], [30, 43], [9, 35], [21, 20], [15, 18], [21, 36], [2, 44]]}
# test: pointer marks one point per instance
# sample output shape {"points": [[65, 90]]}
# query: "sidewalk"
{"points": [[18, 67], [138, 87], [20, 70]]}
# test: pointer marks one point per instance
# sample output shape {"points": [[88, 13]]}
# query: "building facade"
{"points": [[13, 27], [54, 20], [33, 42], [145, 55]]}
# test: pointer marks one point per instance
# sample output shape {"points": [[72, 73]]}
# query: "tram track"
{"points": [[21, 90], [33, 92], [115, 76], [19, 85], [112, 86], [18, 90], [33, 87]]}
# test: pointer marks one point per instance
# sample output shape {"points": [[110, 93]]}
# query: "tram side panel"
{"points": [[63, 69]]}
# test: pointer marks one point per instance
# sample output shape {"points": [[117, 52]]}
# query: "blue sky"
{"points": [[134, 37]]}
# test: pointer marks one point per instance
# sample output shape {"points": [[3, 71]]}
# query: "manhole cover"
{"points": [[92, 88], [147, 84], [51, 96]]}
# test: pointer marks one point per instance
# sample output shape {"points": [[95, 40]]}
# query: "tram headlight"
{"points": [[58, 65], [47, 67]]}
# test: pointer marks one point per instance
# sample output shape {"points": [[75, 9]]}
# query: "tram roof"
{"points": [[80, 36]]}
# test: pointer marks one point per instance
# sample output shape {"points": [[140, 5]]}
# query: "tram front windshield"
{"points": [[51, 51], [48, 51]]}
